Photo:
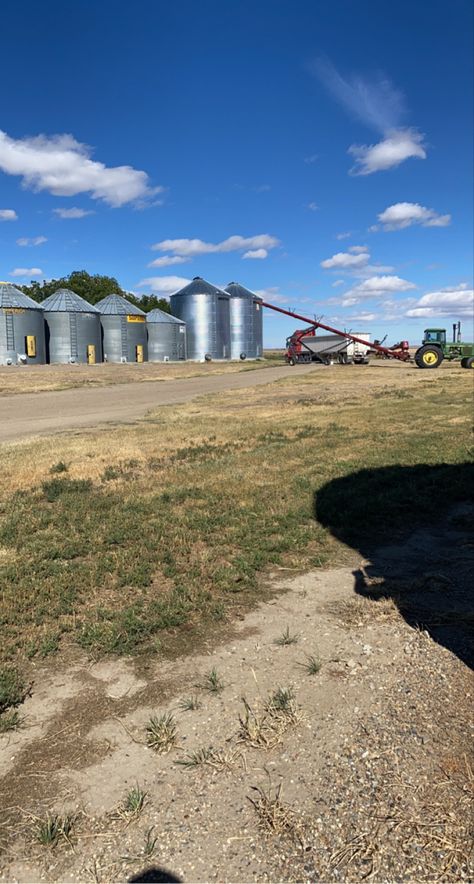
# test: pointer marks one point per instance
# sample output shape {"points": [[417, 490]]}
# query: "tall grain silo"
{"points": [[22, 334], [73, 331], [205, 310], [166, 337], [124, 337], [246, 326]]}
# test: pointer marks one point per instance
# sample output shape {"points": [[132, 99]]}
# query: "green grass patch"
{"points": [[117, 566]]}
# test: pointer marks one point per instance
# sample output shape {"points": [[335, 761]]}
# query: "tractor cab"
{"points": [[435, 336]]}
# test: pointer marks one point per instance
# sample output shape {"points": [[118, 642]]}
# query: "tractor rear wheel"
{"points": [[428, 357], [468, 362]]}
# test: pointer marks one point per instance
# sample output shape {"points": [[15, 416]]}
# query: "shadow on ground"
{"points": [[154, 873], [415, 527]]}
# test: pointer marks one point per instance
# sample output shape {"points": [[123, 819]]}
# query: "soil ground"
{"points": [[374, 759]]}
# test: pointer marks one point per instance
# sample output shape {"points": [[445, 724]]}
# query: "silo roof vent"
{"points": [[157, 315], [116, 305], [199, 286], [66, 301], [235, 290], [13, 297]]}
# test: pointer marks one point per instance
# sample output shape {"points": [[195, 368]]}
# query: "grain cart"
{"points": [[304, 345], [435, 348], [400, 353]]}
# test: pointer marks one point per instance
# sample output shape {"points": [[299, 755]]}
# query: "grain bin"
{"points": [[245, 322], [205, 310], [124, 336], [22, 335], [73, 331], [166, 337]]}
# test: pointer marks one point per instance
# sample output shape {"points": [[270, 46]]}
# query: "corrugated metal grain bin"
{"points": [[73, 332], [124, 337], [205, 310], [246, 327], [22, 334], [166, 337]]}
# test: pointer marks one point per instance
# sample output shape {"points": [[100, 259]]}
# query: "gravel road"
{"points": [[39, 414]]}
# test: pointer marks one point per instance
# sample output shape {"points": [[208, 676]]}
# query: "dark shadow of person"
{"points": [[415, 527], [154, 873]]}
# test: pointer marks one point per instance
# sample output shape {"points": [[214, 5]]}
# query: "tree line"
{"points": [[92, 289]]}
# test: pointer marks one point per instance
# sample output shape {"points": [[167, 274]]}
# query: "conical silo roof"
{"points": [[199, 286], [157, 315], [235, 290], [13, 297], [116, 305], [66, 301]]}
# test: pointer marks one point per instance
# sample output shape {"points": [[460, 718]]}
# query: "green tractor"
{"points": [[435, 348]]}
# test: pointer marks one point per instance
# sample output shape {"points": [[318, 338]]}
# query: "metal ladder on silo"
{"points": [[124, 336], [73, 334], [10, 329]]}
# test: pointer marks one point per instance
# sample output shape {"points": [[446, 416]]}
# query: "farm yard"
{"points": [[237, 635]]}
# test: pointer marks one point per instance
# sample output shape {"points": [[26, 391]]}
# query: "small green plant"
{"points": [[311, 664], [212, 682], [281, 700], [194, 759], [150, 843], [287, 638], [59, 467], [53, 828], [134, 802], [188, 704], [9, 721], [161, 733]]}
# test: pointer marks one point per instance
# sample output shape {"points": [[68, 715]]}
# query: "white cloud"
{"points": [[311, 159], [348, 320], [344, 235], [401, 215], [374, 99], [63, 166], [8, 215], [256, 253], [30, 272], [397, 146], [164, 284], [337, 282], [73, 212], [168, 261], [31, 241], [345, 259], [313, 207], [358, 250], [376, 286], [445, 302], [189, 248]]}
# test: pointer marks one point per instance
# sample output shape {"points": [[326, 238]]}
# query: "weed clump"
{"points": [[54, 828], [161, 733]]}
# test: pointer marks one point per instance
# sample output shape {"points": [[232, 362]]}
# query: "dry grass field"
{"points": [[153, 575]]}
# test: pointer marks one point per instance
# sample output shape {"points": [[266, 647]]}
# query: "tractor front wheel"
{"points": [[428, 357], [468, 362]]}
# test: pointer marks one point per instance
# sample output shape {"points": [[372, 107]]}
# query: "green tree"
{"points": [[92, 289]]}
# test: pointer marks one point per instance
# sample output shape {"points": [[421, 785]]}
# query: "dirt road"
{"points": [[37, 414]]}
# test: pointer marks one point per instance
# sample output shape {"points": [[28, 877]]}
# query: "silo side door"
{"points": [[91, 354], [31, 345]]}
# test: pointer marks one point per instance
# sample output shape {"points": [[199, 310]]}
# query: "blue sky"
{"points": [[318, 152]]}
